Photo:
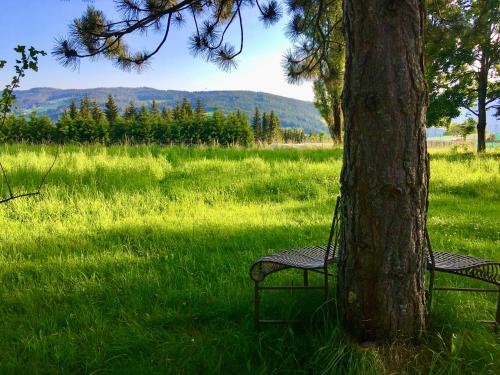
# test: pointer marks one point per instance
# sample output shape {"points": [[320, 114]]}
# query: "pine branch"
{"points": [[93, 35]]}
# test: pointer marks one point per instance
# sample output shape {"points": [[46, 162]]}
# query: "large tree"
{"points": [[463, 60], [385, 172], [319, 54]]}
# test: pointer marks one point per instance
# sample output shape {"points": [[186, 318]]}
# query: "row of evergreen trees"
{"points": [[89, 123]]}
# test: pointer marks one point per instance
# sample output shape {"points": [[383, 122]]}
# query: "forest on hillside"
{"points": [[180, 125], [293, 113]]}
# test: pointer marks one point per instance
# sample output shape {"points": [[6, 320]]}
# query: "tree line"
{"points": [[88, 122]]}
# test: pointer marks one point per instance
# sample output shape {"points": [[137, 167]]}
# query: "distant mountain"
{"points": [[292, 112]]}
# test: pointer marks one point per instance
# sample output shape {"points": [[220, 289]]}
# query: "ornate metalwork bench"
{"points": [[468, 266], [311, 258]]}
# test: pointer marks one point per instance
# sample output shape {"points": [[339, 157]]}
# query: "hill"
{"points": [[292, 112]]}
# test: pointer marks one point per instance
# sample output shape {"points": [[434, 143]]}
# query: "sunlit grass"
{"points": [[135, 260]]}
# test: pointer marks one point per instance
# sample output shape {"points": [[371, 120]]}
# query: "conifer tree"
{"points": [[130, 112], [229, 134], [73, 131], [100, 132], [177, 113], [41, 128], [162, 129], [85, 107], [140, 128], [91, 114], [245, 133], [167, 114], [274, 128], [111, 109], [86, 128], [293, 135], [118, 130], [73, 109], [96, 111], [186, 110], [199, 111], [155, 121], [62, 128], [154, 109], [190, 131], [78, 132], [216, 135], [266, 135], [144, 125], [257, 125]]}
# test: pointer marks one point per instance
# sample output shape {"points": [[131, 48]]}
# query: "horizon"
{"points": [[153, 88]]}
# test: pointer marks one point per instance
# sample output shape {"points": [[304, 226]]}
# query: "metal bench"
{"points": [[310, 258], [468, 266]]}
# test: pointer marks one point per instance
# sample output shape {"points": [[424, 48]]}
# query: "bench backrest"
{"points": [[333, 238]]}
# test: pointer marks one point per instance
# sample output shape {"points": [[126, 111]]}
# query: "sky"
{"points": [[38, 23]]}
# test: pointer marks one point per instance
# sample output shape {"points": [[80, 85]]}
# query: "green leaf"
{"points": [[32, 65]]}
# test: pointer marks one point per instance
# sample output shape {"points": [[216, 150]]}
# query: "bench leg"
{"points": [[497, 325], [257, 307], [326, 285], [428, 303], [306, 278]]}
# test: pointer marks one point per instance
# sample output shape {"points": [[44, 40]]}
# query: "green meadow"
{"points": [[135, 260]]}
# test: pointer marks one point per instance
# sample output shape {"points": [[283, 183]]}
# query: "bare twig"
{"points": [[26, 63], [13, 196]]}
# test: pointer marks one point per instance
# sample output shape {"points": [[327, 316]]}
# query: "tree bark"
{"points": [[382, 259], [337, 120], [481, 105]]}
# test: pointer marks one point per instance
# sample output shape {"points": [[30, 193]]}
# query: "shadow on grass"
{"points": [[140, 298], [179, 154], [463, 156], [463, 190], [268, 155], [163, 299], [108, 181]]}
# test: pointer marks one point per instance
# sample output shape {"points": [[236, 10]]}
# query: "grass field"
{"points": [[135, 260]]}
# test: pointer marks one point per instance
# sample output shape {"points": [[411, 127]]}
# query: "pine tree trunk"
{"points": [[385, 172], [481, 108]]}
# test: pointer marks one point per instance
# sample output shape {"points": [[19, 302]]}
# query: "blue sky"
{"points": [[39, 22]]}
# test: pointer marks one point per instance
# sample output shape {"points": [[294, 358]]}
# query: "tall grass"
{"points": [[135, 260]]}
